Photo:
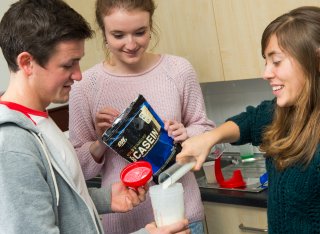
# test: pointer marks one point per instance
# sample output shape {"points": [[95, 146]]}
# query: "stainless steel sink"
{"points": [[251, 172]]}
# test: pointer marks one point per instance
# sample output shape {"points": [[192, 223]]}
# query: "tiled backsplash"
{"points": [[225, 99]]}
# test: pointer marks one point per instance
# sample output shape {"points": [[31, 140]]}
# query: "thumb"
{"points": [[183, 153], [198, 166]]}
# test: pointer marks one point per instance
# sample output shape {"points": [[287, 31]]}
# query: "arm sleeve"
{"points": [[25, 200], [101, 198], [141, 231], [81, 128], [194, 115], [253, 121]]}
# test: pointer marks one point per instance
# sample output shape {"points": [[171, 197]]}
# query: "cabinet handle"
{"points": [[252, 229]]}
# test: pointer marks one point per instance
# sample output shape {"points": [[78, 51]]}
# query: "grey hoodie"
{"points": [[36, 195]]}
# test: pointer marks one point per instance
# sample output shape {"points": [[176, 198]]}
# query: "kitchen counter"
{"points": [[220, 196], [253, 199], [235, 197]]}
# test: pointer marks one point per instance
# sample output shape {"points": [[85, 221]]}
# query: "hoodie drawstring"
{"points": [[40, 140]]}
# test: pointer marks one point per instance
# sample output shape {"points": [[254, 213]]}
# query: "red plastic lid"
{"points": [[136, 174]]}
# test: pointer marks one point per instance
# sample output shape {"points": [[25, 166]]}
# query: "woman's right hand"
{"points": [[104, 119]]}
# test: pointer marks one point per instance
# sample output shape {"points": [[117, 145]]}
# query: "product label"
{"points": [[139, 134]]}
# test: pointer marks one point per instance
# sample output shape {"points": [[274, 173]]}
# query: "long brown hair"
{"points": [[294, 134]]}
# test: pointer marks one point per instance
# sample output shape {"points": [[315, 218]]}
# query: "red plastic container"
{"points": [[236, 181], [136, 174]]}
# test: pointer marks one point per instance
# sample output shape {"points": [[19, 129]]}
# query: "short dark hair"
{"points": [[37, 26]]}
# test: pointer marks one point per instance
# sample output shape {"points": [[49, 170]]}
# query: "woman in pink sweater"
{"points": [[168, 83]]}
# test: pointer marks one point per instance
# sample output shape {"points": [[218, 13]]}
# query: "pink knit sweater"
{"points": [[172, 90]]}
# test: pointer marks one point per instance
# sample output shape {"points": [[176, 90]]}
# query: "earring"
{"points": [[150, 36]]}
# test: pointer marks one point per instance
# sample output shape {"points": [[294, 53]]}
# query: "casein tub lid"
{"points": [[136, 174]]}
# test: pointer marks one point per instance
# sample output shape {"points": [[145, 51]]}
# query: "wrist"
{"points": [[97, 150], [211, 138]]}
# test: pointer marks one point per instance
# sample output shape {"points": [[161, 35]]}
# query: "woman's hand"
{"points": [[198, 147], [176, 130], [124, 199], [104, 119]]}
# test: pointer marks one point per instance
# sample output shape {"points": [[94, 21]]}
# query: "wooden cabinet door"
{"points": [[187, 28], [94, 52], [225, 218], [240, 25], [221, 38]]}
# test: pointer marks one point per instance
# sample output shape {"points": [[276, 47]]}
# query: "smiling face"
{"points": [[52, 83], [283, 73], [127, 34]]}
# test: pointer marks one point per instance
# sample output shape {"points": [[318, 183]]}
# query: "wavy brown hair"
{"points": [[293, 136]]}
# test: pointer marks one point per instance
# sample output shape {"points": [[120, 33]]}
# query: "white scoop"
{"points": [[174, 173]]}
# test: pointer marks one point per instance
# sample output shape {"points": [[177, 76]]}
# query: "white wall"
{"points": [[4, 80], [225, 99]]}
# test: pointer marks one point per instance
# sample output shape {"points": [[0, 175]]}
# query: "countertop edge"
{"points": [[235, 197]]}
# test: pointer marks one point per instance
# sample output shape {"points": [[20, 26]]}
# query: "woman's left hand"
{"points": [[176, 130]]}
